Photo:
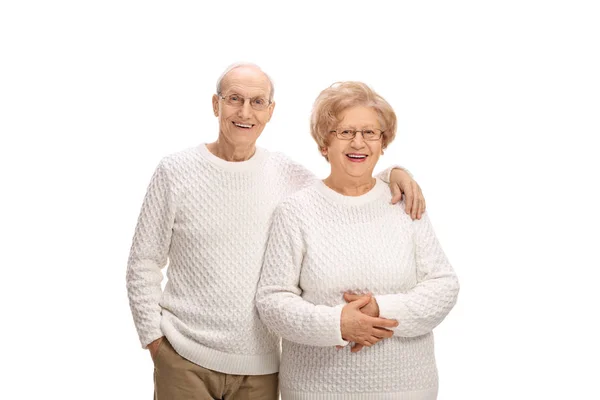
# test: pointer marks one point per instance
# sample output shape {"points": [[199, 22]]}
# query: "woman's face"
{"points": [[354, 158]]}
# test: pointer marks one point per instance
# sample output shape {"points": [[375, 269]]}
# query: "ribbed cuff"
{"points": [[391, 306], [336, 327], [149, 337], [386, 173]]}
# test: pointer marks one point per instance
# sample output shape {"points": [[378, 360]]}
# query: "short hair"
{"points": [[245, 64], [340, 96]]}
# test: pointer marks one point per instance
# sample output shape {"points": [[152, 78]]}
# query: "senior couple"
{"points": [[258, 248]]}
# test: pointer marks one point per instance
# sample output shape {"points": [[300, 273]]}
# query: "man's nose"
{"points": [[246, 109]]}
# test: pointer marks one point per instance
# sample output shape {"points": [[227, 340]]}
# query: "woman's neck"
{"points": [[350, 186]]}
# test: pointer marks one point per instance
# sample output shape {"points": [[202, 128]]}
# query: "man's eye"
{"points": [[260, 101], [234, 97]]}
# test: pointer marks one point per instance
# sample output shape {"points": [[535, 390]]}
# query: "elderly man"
{"points": [[207, 213]]}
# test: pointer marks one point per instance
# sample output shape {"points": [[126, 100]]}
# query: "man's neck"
{"points": [[230, 152]]}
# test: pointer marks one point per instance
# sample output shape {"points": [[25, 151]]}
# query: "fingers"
{"points": [[375, 336], [383, 322], [382, 333], [423, 206], [360, 302], [396, 193], [356, 348], [378, 335], [370, 341], [416, 200], [350, 297], [408, 200], [413, 200], [153, 347]]}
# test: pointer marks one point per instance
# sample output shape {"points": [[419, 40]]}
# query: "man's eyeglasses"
{"points": [[367, 134], [257, 103]]}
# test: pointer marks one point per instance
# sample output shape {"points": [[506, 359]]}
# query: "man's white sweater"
{"points": [[323, 244], [209, 219]]}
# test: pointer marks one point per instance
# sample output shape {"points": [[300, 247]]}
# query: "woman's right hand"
{"points": [[363, 329]]}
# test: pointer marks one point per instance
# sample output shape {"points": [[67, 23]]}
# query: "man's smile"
{"points": [[243, 126]]}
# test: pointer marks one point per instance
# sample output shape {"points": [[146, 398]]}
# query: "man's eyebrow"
{"points": [[251, 97]]}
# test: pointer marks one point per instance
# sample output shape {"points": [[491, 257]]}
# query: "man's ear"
{"points": [[271, 108], [215, 104]]}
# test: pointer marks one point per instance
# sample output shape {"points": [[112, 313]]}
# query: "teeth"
{"points": [[356, 156], [243, 126]]}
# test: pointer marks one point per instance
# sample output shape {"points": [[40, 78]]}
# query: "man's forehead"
{"points": [[246, 79]]}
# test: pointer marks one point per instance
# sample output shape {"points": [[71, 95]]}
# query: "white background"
{"points": [[498, 105]]}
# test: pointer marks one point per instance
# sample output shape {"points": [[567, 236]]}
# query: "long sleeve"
{"points": [[385, 174], [423, 307], [149, 253], [301, 177], [278, 296]]}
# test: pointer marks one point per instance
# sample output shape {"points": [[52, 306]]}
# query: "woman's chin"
{"points": [[352, 177]]}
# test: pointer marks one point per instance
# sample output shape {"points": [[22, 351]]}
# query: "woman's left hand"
{"points": [[371, 309]]}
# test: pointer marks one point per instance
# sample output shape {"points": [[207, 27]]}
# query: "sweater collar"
{"points": [[373, 194], [238, 166]]}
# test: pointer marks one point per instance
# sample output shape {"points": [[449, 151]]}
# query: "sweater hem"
{"points": [[229, 363], [425, 394]]}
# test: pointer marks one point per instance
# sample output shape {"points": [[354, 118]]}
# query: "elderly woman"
{"points": [[344, 265]]}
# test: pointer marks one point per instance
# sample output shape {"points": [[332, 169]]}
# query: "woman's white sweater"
{"points": [[323, 244]]}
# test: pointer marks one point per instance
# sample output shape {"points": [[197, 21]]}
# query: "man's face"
{"points": [[241, 125]]}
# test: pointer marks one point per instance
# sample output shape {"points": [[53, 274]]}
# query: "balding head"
{"points": [[222, 81]]}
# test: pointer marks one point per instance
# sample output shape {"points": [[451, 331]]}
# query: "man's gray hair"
{"points": [[245, 64]]}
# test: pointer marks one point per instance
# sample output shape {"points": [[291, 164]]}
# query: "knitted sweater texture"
{"points": [[323, 244], [208, 219]]}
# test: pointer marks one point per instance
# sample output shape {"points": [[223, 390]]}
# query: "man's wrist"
{"points": [[396, 169]]}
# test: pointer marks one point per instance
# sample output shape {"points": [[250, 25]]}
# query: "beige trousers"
{"points": [[176, 378]]}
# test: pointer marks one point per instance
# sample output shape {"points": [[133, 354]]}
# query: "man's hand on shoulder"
{"points": [[401, 183]]}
